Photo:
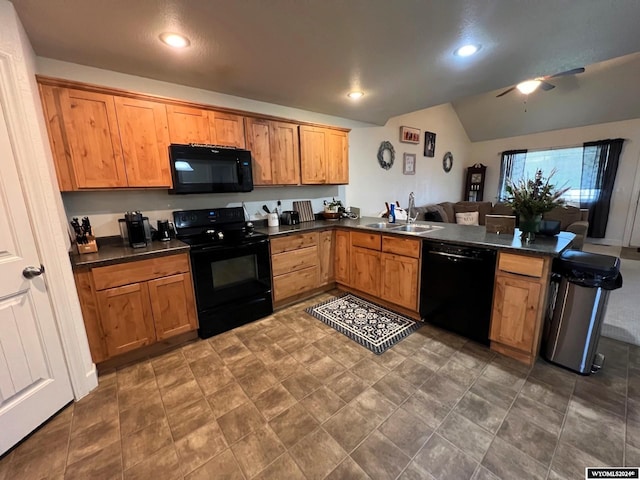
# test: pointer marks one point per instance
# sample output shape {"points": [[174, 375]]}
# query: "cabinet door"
{"points": [[91, 128], [285, 153], [57, 137], [144, 134], [513, 319], [173, 305], [365, 270], [188, 125], [259, 142], [342, 263], [400, 280], [326, 249], [125, 316], [337, 157], [227, 129], [313, 155]]}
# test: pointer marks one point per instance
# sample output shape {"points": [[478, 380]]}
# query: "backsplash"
{"points": [[104, 208]]}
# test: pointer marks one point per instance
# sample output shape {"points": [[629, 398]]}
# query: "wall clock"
{"points": [[386, 155], [447, 162]]}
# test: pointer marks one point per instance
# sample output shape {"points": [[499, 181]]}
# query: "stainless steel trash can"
{"points": [[580, 286]]}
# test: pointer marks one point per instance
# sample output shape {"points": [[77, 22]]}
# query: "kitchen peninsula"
{"points": [[382, 263]]}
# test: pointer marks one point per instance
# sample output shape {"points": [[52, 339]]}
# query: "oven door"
{"points": [[230, 274]]}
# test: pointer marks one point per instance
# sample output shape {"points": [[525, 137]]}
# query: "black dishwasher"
{"points": [[457, 288]]}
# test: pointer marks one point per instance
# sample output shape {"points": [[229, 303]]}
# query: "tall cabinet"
{"points": [[474, 183]]}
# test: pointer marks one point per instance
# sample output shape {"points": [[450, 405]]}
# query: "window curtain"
{"points": [[512, 166], [599, 167]]}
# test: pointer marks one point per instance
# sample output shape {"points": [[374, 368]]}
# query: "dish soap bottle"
{"points": [[392, 213]]}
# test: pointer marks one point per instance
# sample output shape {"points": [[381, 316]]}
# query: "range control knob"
{"points": [[220, 236]]}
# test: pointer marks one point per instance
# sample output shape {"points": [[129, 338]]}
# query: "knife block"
{"points": [[89, 247]]}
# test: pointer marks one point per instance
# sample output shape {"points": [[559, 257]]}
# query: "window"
{"points": [[566, 161], [589, 171]]}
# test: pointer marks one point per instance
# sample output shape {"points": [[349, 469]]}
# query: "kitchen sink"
{"points": [[411, 228], [382, 225]]}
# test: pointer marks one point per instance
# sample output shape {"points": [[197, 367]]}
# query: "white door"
{"points": [[34, 381]]}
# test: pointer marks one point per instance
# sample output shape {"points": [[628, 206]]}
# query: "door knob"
{"points": [[32, 272]]}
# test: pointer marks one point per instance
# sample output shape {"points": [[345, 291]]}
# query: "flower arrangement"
{"points": [[530, 198]]}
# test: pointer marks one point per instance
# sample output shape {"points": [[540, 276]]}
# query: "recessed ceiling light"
{"points": [[355, 95], [528, 86], [175, 40], [467, 50]]}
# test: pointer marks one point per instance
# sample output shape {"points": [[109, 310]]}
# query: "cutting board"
{"points": [[303, 207]]}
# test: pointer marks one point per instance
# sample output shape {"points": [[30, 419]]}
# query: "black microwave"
{"points": [[198, 168]]}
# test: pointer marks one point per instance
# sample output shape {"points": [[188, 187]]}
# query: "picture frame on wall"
{"points": [[429, 144], [409, 164], [409, 135]]}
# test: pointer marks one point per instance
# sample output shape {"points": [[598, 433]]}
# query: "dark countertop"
{"points": [[111, 250], [450, 233]]}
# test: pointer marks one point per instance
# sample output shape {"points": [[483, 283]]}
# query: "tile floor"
{"points": [[289, 398]]}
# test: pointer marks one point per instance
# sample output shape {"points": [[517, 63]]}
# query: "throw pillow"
{"points": [[468, 218]]}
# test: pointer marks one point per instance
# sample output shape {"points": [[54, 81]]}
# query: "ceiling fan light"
{"points": [[466, 50], [528, 86], [175, 40], [355, 95]]}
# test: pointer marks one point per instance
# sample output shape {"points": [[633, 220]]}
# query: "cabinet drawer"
{"points": [[293, 242], [521, 264], [290, 284], [402, 246], [295, 260], [366, 240], [139, 271]]}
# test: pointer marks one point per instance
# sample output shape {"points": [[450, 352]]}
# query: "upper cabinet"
{"points": [[197, 125], [102, 141], [104, 138], [323, 155], [275, 152]]}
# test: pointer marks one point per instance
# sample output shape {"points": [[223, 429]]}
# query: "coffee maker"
{"points": [[136, 229]]}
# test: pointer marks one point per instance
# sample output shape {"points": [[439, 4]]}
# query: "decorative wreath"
{"points": [[386, 146]]}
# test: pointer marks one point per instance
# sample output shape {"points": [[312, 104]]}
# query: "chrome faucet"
{"points": [[412, 206]]}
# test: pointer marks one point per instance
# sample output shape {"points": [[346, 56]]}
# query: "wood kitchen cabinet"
{"points": [[400, 270], [197, 125], [365, 270], [326, 255], [323, 156], [275, 151], [102, 141], [342, 261], [295, 266], [136, 304], [519, 297]]}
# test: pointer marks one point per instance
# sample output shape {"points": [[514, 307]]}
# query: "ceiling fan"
{"points": [[530, 86]]}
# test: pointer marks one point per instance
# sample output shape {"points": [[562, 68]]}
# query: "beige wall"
{"points": [[625, 195], [370, 185]]}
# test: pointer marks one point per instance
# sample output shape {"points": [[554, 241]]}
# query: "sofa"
{"points": [[572, 219]]}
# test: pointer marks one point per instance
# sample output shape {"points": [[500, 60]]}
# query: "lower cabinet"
{"points": [[295, 265], [342, 262], [519, 297], [136, 304], [384, 266]]}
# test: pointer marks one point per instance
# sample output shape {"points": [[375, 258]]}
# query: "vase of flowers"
{"points": [[530, 198]]}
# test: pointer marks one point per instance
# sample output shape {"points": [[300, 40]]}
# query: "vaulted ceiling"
{"points": [[310, 53]]}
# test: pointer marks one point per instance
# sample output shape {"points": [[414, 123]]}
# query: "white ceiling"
{"points": [[309, 53]]}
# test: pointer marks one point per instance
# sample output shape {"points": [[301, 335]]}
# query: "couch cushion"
{"points": [[467, 218], [447, 207], [565, 215], [483, 208], [502, 209]]}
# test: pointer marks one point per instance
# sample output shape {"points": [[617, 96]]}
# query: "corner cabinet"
{"points": [[136, 304], [102, 141], [519, 298], [324, 156]]}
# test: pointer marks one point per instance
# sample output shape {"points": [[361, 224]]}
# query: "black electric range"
{"points": [[230, 265]]}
